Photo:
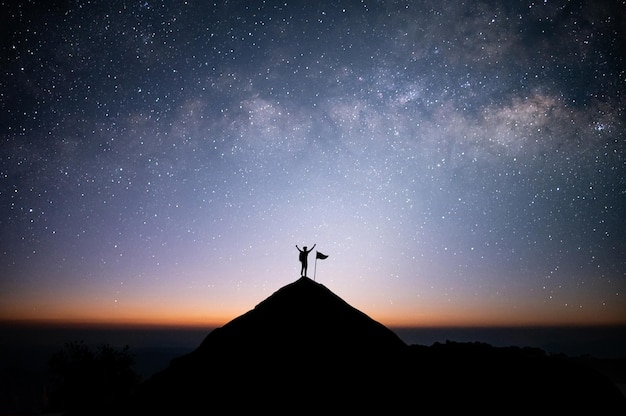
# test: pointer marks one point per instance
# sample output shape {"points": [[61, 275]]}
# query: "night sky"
{"points": [[459, 163]]}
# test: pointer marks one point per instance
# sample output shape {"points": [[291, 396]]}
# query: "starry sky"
{"points": [[460, 163]]}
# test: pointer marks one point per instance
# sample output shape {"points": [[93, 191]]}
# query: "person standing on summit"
{"points": [[304, 254]]}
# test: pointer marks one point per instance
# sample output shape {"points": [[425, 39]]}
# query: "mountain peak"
{"points": [[277, 354], [304, 315]]}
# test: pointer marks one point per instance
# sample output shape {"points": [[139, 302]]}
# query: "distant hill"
{"points": [[304, 350]]}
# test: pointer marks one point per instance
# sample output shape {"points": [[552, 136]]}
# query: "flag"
{"points": [[320, 256]]}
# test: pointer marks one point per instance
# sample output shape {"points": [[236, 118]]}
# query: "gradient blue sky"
{"points": [[459, 163]]}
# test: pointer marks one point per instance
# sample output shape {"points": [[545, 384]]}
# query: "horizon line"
{"points": [[71, 323]]}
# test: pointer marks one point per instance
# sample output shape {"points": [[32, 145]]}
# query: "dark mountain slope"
{"points": [[302, 344], [304, 350]]}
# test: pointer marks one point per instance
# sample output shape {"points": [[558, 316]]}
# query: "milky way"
{"points": [[458, 163]]}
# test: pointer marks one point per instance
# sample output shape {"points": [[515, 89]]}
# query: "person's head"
{"points": [[304, 247]]}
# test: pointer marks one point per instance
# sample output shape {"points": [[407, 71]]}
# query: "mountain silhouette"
{"points": [[304, 349], [303, 343], [303, 317]]}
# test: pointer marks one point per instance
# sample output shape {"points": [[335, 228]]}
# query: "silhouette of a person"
{"points": [[304, 253]]}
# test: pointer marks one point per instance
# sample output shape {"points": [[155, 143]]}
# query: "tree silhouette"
{"points": [[90, 380]]}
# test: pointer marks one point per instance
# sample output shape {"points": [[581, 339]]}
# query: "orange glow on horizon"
{"points": [[197, 310], [181, 320]]}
